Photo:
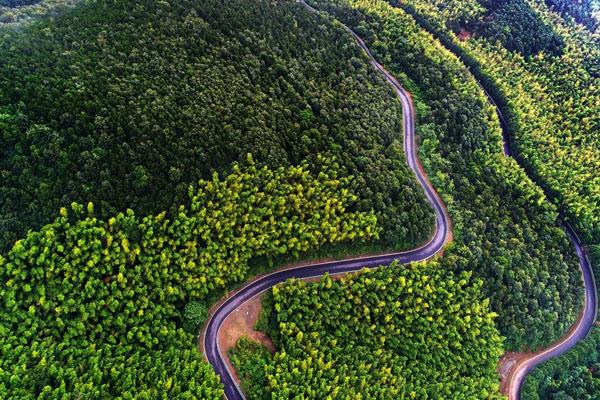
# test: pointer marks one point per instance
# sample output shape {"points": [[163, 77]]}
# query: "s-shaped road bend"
{"points": [[210, 335]]}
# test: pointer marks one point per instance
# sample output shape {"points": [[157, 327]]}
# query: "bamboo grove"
{"points": [[143, 98], [15, 12], [574, 375], [92, 308], [504, 230], [400, 332], [550, 93], [544, 72]]}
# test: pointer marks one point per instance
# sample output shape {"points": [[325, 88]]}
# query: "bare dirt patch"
{"points": [[508, 363], [506, 366], [241, 323], [464, 34]]}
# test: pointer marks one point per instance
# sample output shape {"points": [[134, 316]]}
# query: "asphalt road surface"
{"points": [[236, 299], [210, 336], [577, 333]]}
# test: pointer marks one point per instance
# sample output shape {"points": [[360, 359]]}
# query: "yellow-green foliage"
{"points": [[503, 230], [257, 212], [554, 102], [92, 308], [402, 332]]}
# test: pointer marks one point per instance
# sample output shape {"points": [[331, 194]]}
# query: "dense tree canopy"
{"points": [[17, 3], [514, 24], [572, 376], [553, 107], [126, 103], [92, 308], [403, 332], [250, 359], [585, 12], [142, 98], [504, 231], [20, 12], [552, 101]]}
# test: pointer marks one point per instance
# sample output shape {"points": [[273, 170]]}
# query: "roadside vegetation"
{"points": [[546, 77], [94, 308], [505, 232], [250, 359], [131, 108], [401, 332], [550, 96], [126, 103], [574, 375]]}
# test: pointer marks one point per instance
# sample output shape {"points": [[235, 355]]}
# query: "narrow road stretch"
{"points": [[209, 336], [577, 333]]}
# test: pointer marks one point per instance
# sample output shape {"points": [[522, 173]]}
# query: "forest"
{"points": [[16, 12], [517, 27], [143, 98], [504, 231], [17, 3], [401, 332], [195, 141], [107, 299], [581, 11], [94, 308], [575, 375], [548, 85], [552, 104]]}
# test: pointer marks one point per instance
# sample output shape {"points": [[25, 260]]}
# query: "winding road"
{"points": [[209, 336], [578, 332]]}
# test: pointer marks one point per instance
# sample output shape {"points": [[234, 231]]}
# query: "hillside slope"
{"points": [[126, 105]]}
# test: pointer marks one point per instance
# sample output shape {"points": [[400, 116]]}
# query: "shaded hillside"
{"points": [[126, 105]]}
